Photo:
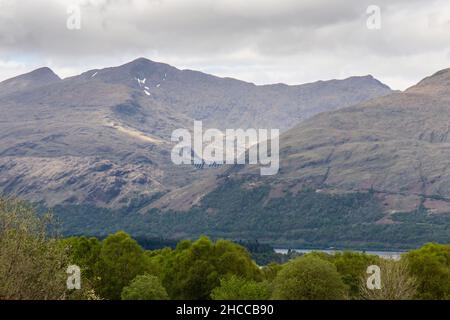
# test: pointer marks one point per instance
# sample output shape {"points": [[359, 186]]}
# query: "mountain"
{"points": [[397, 145], [229, 103], [103, 137], [376, 174], [360, 165], [37, 78]]}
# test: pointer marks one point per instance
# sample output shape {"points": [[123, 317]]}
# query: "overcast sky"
{"points": [[261, 41]]}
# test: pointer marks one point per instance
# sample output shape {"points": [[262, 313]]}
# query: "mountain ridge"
{"points": [[394, 144], [359, 163], [34, 79], [375, 174], [121, 119]]}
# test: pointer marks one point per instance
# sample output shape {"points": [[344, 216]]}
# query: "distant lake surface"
{"points": [[394, 255]]}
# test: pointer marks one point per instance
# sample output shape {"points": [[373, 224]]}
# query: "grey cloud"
{"points": [[304, 40]]}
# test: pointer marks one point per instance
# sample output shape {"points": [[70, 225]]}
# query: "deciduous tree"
{"points": [[235, 288], [145, 287], [309, 278]]}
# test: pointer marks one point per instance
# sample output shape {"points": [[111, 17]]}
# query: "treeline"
{"points": [[34, 260], [306, 219], [264, 254]]}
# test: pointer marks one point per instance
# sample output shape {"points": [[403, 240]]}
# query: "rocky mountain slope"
{"points": [[37, 78], [373, 174], [103, 137], [397, 146]]}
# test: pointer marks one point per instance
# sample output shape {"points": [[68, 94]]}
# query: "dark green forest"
{"points": [[307, 219]]}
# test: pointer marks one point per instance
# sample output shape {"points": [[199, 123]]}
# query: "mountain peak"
{"points": [[30, 80], [438, 77], [370, 79], [141, 60], [128, 73], [438, 84], [43, 73]]}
